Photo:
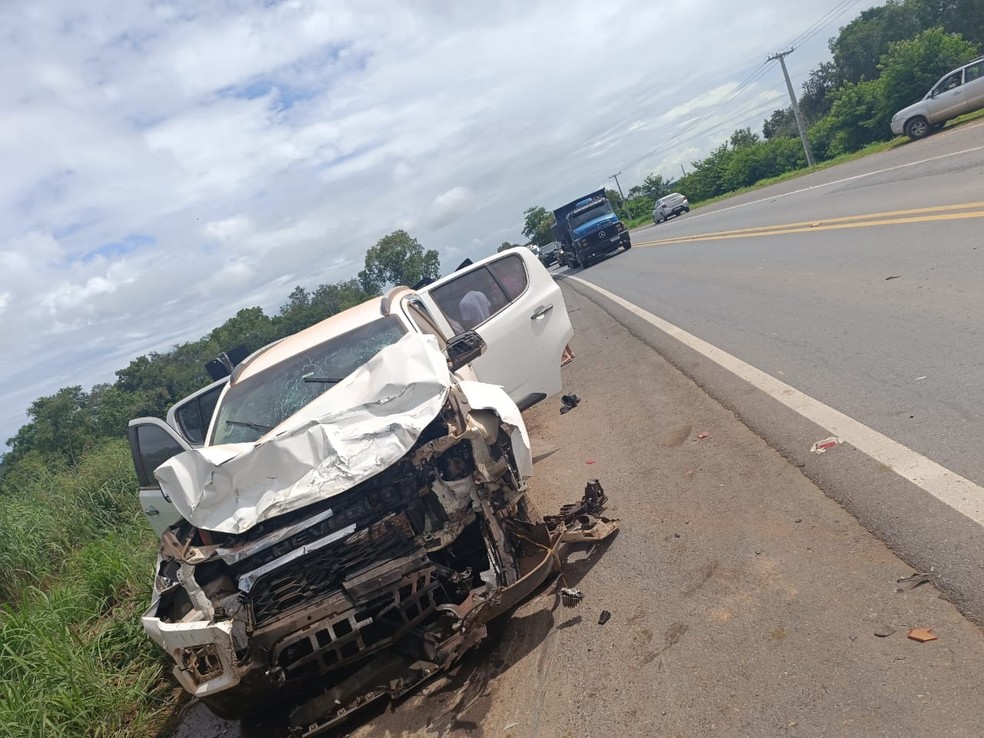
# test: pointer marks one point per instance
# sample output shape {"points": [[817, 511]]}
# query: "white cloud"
{"points": [[168, 163]]}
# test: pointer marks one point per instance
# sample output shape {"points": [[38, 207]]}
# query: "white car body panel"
{"points": [[525, 340]]}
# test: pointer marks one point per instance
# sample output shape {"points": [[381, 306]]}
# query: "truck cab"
{"points": [[589, 229]]}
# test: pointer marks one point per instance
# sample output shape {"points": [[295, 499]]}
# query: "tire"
{"points": [[627, 245], [916, 128], [686, 210], [937, 127]]}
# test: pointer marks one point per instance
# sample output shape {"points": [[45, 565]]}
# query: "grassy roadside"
{"points": [[76, 559], [874, 148]]}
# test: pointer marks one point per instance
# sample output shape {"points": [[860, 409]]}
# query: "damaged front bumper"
{"points": [[372, 591]]}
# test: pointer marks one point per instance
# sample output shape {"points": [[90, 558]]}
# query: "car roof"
{"points": [[314, 335]]}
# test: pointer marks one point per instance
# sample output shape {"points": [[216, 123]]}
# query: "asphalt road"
{"points": [[860, 287], [883, 322]]}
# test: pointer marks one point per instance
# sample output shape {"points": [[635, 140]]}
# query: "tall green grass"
{"points": [[76, 563]]}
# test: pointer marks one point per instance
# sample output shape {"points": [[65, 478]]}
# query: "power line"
{"points": [[809, 32]]}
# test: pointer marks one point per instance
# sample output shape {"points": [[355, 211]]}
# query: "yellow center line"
{"points": [[855, 221]]}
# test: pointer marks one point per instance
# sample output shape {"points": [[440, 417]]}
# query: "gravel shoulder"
{"points": [[744, 602]]}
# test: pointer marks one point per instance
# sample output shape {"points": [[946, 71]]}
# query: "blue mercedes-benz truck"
{"points": [[588, 228]]}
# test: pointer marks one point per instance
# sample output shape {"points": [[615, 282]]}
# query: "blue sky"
{"points": [[168, 163]]}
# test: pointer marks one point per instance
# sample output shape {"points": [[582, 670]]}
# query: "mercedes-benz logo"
{"points": [[602, 234]]}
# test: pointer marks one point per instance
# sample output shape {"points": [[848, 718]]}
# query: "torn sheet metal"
{"points": [[481, 396], [363, 425]]}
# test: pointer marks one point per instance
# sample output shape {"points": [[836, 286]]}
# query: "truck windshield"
{"points": [[580, 217], [258, 404]]}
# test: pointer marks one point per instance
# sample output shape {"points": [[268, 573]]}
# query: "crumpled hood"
{"points": [[363, 425], [602, 221]]}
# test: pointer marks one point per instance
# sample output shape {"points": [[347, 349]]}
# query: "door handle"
{"points": [[151, 511], [541, 311]]}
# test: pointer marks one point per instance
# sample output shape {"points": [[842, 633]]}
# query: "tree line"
{"points": [[883, 60], [64, 426]]}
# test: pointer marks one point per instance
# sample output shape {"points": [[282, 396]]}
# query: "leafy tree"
{"points": [[61, 426], [537, 223], [655, 186], [743, 137], [855, 119], [398, 259], [858, 47], [615, 198], [815, 101], [781, 124], [909, 68]]}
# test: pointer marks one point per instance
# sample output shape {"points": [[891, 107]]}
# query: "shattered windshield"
{"points": [[260, 403], [583, 216]]}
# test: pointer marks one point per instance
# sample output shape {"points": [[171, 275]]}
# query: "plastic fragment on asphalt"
{"points": [[590, 461], [911, 582], [885, 631], [922, 634], [604, 617], [704, 434], [827, 443], [510, 726], [894, 276]]}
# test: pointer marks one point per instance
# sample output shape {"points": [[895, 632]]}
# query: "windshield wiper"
{"points": [[324, 380], [252, 426]]}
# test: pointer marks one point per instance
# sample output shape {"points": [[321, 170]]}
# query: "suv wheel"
{"points": [[917, 128]]}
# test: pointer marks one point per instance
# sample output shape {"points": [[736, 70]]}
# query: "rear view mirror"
{"points": [[464, 348]]}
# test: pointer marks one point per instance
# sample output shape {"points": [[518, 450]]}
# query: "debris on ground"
{"points": [[885, 631], [571, 596], [894, 276], [823, 446], [568, 403], [604, 617], [703, 434], [911, 582], [922, 635]]}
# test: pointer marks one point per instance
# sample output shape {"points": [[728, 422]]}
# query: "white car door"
{"points": [[513, 303], [152, 442]]}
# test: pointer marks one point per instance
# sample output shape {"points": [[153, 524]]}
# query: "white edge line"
{"points": [[960, 493]]}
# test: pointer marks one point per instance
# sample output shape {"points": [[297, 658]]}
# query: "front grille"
{"points": [[353, 635], [318, 574]]}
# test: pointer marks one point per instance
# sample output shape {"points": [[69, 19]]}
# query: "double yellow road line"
{"points": [[894, 217]]}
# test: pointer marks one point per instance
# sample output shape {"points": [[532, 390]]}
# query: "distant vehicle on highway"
{"points": [[588, 229], [549, 253], [672, 204], [959, 91]]}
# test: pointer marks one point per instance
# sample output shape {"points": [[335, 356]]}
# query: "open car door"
{"points": [[513, 303], [152, 442]]}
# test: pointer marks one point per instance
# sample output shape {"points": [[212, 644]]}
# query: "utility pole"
{"points": [[615, 177], [781, 56]]}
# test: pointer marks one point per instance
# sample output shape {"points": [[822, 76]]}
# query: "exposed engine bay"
{"points": [[373, 590]]}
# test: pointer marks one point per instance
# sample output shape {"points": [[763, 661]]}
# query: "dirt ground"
{"points": [[743, 601]]}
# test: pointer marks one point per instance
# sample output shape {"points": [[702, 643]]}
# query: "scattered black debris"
{"points": [[569, 403], [911, 582], [894, 276], [604, 617], [885, 631], [571, 596]]}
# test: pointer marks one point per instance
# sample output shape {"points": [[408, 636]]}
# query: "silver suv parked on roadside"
{"points": [[959, 91], [673, 204]]}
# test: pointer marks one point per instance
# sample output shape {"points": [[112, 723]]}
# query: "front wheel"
{"points": [[626, 245], [917, 128]]}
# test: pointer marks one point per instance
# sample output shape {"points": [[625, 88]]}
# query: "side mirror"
{"points": [[464, 348]]}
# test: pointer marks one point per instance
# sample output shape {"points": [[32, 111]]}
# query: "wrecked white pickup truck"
{"points": [[358, 510]]}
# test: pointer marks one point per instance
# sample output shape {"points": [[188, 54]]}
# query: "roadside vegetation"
{"points": [[883, 60], [76, 555]]}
